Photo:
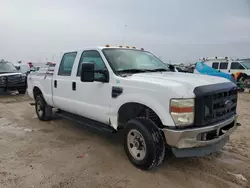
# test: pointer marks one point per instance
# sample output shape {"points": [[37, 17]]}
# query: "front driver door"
{"points": [[92, 99]]}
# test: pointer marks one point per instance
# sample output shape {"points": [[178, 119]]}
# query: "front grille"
{"points": [[223, 106], [216, 104], [11, 81]]}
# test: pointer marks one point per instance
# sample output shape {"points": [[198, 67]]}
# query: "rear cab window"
{"points": [[215, 65], [67, 63], [223, 65]]}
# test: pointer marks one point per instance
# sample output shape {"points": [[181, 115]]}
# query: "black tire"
{"points": [[21, 90], [154, 141], [43, 110]]}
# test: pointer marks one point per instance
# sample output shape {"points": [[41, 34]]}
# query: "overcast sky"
{"points": [[176, 30]]}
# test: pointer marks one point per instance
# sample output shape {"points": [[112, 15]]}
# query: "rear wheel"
{"points": [[144, 143], [43, 110]]}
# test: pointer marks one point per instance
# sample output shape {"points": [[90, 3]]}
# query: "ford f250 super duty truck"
{"points": [[115, 88]]}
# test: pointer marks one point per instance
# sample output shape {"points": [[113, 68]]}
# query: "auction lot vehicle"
{"points": [[224, 64], [11, 78], [114, 88]]}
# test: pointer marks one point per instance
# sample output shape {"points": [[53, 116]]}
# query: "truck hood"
{"points": [[181, 83], [10, 74]]}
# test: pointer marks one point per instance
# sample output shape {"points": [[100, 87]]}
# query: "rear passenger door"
{"points": [[62, 83]]}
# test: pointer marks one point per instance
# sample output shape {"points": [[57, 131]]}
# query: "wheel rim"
{"points": [[136, 144], [39, 109]]}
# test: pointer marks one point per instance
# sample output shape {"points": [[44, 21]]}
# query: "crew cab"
{"points": [[11, 78], [117, 88]]}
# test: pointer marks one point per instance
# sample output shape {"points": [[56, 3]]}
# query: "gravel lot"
{"points": [[59, 154]]}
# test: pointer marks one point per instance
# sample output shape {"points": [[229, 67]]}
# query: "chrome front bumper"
{"points": [[196, 137]]}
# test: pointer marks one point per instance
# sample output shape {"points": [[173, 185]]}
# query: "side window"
{"points": [[91, 56], [215, 65], [67, 64], [236, 65], [223, 65]]}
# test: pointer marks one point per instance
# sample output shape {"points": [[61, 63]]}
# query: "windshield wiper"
{"points": [[158, 70], [133, 71]]}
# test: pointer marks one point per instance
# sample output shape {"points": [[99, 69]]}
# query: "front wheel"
{"points": [[22, 90], [144, 143], [43, 110]]}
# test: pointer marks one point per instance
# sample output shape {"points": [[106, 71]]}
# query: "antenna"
{"points": [[124, 32]]}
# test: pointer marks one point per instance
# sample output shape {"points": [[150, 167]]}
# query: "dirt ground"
{"points": [[59, 154]]}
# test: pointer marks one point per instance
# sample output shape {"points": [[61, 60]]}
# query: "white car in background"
{"points": [[230, 66]]}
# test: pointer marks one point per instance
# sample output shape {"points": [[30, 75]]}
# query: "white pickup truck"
{"points": [[115, 88]]}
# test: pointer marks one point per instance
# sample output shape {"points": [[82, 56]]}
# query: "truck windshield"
{"points": [[7, 68], [246, 64], [133, 61]]}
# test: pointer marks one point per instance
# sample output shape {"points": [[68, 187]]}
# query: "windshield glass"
{"points": [[246, 64], [126, 59], [7, 67]]}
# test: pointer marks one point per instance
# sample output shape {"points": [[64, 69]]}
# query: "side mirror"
{"points": [[87, 72]]}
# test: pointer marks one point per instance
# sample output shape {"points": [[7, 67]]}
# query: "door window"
{"points": [[94, 57], [236, 65], [67, 64], [215, 65], [223, 65]]}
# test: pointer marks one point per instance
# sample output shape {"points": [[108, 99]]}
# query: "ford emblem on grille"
{"points": [[228, 103]]}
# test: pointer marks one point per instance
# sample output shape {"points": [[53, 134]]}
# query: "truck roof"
{"points": [[108, 47]]}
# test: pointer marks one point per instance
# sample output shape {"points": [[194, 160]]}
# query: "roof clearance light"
{"points": [[127, 46], [107, 45], [142, 48]]}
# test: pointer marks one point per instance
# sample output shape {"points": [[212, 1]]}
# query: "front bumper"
{"points": [[200, 141]]}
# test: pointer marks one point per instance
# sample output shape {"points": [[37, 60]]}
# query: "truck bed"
{"points": [[42, 80]]}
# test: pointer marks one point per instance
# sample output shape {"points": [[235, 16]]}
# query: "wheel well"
{"points": [[132, 110], [36, 92]]}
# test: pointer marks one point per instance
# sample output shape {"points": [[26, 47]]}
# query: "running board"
{"points": [[86, 122]]}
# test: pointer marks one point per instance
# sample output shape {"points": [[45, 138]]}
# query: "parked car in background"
{"points": [[226, 65], [11, 78]]}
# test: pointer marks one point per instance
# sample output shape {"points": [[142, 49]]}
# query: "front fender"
{"points": [[161, 109]]}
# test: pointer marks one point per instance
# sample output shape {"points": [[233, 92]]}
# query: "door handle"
{"points": [[73, 86], [55, 83]]}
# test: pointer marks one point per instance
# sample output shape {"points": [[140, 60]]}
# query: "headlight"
{"points": [[182, 111]]}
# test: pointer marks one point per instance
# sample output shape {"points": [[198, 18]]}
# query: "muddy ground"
{"points": [[59, 154]]}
